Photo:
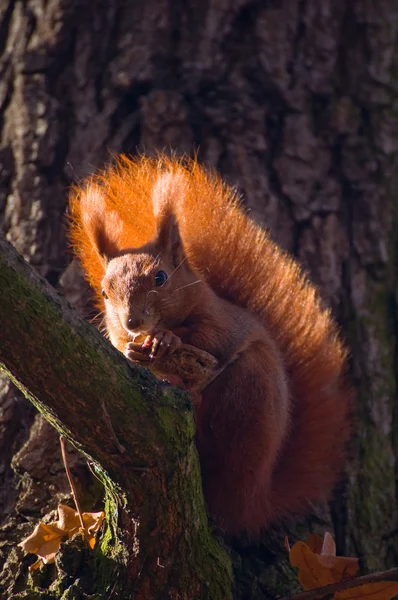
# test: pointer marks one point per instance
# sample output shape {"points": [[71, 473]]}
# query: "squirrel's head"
{"points": [[152, 286]]}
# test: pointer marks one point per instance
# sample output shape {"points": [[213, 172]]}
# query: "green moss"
{"points": [[33, 595], [75, 362]]}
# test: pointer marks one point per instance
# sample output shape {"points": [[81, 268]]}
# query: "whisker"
{"points": [[187, 285], [100, 325], [177, 267], [100, 314], [146, 308]]}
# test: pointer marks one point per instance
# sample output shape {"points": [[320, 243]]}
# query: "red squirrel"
{"points": [[171, 255]]}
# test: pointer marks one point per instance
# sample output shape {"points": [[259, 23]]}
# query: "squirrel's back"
{"points": [[241, 263]]}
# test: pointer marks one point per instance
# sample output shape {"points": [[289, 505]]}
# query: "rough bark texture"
{"points": [[294, 102], [153, 488]]}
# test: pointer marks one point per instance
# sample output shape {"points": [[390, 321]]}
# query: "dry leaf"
{"points": [[44, 541], [46, 538], [312, 573], [318, 564], [341, 567], [328, 545], [315, 543]]}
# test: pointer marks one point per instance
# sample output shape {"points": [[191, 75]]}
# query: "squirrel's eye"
{"points": [[160, 278], [104, 294]]}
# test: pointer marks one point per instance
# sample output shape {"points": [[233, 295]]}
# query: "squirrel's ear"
{"points": [[168, 238], [103, 226], [105, 244]]}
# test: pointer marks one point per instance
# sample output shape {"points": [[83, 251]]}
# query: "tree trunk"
{"points": [[293, 101]]}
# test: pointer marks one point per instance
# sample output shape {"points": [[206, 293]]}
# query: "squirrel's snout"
{"points": [[133, 323], [137, 323]]}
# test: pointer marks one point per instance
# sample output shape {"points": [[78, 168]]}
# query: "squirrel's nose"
{"points": [[134, 323]]}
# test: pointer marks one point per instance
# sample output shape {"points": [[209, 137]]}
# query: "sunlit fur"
{"points": [[131, 293], [299, 346]]}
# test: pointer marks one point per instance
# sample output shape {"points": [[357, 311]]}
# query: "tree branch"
{"points": [[329, 590], [66, 368]]}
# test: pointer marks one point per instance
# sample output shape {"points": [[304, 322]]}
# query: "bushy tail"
{"points": [[241, 262]]}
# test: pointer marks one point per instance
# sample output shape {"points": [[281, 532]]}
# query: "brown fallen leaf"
{"points": [[316, 543], [45, 542], [341, 567], [311, 572], [318, 564], [46, 538]]}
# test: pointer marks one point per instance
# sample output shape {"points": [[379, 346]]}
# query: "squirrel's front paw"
{"points": [[162, 343], [133, 352]]}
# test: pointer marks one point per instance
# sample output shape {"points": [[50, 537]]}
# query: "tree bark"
{"points": [[72, 375], [293, 101]]}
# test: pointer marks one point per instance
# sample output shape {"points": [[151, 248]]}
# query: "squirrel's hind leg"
{"points": [[241, 426]]}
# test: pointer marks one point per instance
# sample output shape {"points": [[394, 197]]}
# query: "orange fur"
{"points": [[280, 410]]}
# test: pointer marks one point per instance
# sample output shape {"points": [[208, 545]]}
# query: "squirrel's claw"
{"points": [[132, 353], [164, 343]]}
